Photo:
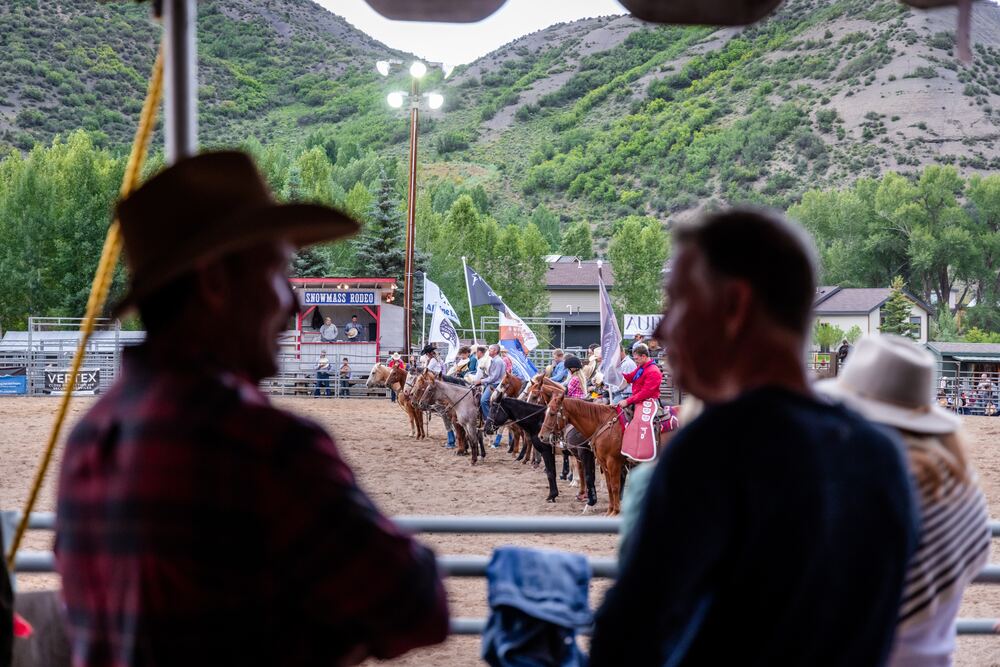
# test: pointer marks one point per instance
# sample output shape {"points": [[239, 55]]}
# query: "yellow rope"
{"points": [[100, 287]]}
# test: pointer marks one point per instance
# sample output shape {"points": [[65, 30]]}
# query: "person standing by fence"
{"points": [[890, 381], [196, 522], [345, 378], [323, 370], [776, 528]]}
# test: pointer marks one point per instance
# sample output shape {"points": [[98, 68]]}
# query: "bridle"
{"points": [[561, 418], [510, 422]]}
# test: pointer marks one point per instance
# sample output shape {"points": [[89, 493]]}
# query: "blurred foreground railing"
{"points": [[39, 562]]}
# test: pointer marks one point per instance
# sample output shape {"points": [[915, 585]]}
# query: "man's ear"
{"points": [[737, 296], [213, 285]]}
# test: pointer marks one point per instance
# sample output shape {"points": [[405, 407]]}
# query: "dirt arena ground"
{"points": [[409, 477]]}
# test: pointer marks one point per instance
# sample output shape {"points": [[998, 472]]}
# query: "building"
{"points": [[379, 325], [571, 285], [849, 307]]}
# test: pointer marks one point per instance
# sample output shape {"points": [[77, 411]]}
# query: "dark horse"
{"points": [[529, 416]]}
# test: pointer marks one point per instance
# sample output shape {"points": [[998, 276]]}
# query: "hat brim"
{"points": [[933, 421], [298, 224]]}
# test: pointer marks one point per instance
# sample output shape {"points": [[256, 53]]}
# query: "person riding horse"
{"points": [[645, 381]]}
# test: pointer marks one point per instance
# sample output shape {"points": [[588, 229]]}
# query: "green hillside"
{"points": [[557, 141]]}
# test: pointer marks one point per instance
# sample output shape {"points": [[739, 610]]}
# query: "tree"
{"points": [[854, 334], [547, 223], [380, 251], [896, 312], [533, 294], [317, 176], [358, 201], [943, 327], [826, 336], [637, 252], [577, 241], [310, 262]]}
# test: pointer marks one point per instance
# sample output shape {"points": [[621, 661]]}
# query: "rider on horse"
{"points": [[645, 380]]}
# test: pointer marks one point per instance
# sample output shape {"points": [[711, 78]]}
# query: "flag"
{"points": [[611, 336], [435, 298], [513, 327], [517, 338], [480, 293], [443, 331], [521, 365]]}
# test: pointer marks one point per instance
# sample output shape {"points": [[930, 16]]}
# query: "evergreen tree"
{"points": [[896, 312], [577, 241], [943, 327], [380, 250], [310, 262]]}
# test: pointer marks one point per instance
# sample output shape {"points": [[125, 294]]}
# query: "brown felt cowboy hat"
{"points": [[204, 207]]}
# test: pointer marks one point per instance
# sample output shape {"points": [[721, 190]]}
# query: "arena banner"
{"points": [[13, 381], [318, 298], [644, 324], [88, 381]]}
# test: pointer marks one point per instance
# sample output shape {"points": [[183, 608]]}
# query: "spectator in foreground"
{"points": [[890, 381], [776, 528], [197, 523]]}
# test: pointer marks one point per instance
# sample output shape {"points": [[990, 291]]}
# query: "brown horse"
{"points": [[541, 390], [421, 381], [398, 380], [599, 424]]}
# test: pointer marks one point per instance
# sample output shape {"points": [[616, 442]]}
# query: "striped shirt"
{"points": [[954, 547]]}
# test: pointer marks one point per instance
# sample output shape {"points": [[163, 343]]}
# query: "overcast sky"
{"points": [[459, 43]]}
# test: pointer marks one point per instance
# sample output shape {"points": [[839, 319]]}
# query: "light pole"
{"points": [[396, 100]]}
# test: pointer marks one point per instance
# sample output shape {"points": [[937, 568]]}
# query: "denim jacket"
{"points": [[538, 599]]}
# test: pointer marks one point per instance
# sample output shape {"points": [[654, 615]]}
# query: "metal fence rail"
{"points": [[41, 562]]}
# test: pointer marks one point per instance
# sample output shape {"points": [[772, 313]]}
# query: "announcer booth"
{"points": [[367, 323]]}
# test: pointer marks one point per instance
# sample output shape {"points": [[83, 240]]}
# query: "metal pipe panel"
{"points": [[180, 73], [509, 524]]}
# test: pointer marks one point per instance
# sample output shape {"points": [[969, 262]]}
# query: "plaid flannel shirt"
{"points": [[197, 524]]}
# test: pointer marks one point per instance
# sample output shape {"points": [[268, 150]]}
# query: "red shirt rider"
{"points": [[645, 379]]}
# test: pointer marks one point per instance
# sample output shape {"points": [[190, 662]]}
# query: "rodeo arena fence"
{"points": [[43, 562]]}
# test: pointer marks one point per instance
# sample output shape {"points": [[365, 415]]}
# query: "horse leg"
{"points": [[511, 448], [590, 475], [549, 457], [565, 468], [613, 474], [525, 453]]}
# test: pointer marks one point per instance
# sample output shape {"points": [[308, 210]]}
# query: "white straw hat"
{"points": [[890, 380]]}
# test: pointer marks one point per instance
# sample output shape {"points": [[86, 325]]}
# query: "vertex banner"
{"points": [[88, 381]]}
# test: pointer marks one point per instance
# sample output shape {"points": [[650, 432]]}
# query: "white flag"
{"points": [[443, 331], [513, 327], [434, 298], [611, 336]]}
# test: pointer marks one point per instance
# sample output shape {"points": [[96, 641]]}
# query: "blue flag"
{"points": [[480, 293], [521, 365]]}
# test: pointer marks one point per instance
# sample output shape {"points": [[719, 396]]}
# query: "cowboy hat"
{"points": [[204, 207], [573, 363], [352, 332], [890, 381], [395, 356], [428, 349]]}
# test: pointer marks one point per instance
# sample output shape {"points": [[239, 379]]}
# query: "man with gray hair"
{"points": [[777, 528], [491, 378]]}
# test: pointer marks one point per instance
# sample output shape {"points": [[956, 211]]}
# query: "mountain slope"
{"points": [[597, 119]]}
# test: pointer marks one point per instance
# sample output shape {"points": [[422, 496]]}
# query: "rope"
{"points": [[99, 289]]}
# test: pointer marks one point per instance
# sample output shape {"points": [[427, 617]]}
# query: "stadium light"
{"points": [[395, 99], [418, 69], [435, 100]]}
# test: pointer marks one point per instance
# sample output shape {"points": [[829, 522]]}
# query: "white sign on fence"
{"points": [[644, 324]]}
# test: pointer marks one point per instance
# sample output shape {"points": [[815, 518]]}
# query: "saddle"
{"points": [[640, 435]]}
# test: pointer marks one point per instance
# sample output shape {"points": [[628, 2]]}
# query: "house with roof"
{"points": [[966, 358], [571, 286], [849, 307]]}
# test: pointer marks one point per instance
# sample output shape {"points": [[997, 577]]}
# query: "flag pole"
{"points": [[472, 314], [423, 324]]}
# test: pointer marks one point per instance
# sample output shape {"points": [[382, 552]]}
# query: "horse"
{"points": [[399, 381], [421, 381], [600, 424], [463, 405], [541, 390], [529, 416]]}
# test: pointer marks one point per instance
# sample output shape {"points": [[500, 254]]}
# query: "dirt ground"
{"points": [[404, 476]]}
